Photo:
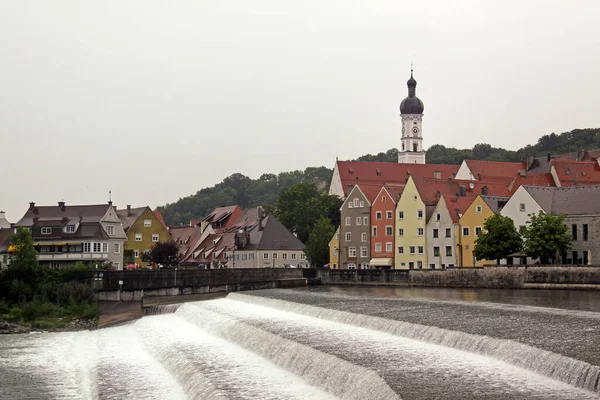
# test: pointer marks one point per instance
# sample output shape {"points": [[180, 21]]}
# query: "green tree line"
{"points": [[246, 192]]}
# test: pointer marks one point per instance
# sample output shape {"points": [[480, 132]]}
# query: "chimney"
{"points": [[260, 215], [548, 157], [463, 191], [31, 205], [61, 204], [2, 214], [128, 209], [484, 190], [437, 175]]}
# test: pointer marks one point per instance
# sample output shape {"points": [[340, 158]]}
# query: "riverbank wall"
{"points": [[521, 277], [138, 285]]}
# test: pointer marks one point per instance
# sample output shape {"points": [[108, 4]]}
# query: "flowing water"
{"points": [[325, 343]]}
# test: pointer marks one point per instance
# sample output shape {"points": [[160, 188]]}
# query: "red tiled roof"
{"points": [[160, 218], [486, 170], [575, 173], [531, 178], [225, 216], [456, 206], [384, 173]]}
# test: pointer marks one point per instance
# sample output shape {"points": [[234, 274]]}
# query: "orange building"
{"points": [[383, 209]]}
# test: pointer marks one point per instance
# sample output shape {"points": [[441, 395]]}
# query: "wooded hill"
{"points": [[240, 189]]}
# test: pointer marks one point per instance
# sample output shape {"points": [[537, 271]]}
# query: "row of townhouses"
{"points": [[102, 234], [414, 215]]}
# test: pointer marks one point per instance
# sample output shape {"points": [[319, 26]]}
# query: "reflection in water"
{"points": [[325, 343]]}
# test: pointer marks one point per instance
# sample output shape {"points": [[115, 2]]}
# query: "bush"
{"points": [[15, 314]]}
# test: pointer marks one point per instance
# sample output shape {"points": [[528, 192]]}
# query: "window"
{"points": [[363, 237], [449, 251], [117, 248], [436, 233], [363, 252], [478, 209], [147, 223], [293, 256], [466, 231], [419, 214], [70, 229], [522, 228], [374, 231], [400, 250], [389, 230], [358, 221], [138, 237], [350, 204], [265, 256], [378, 247], [110, 230], [383, 199], [362, 204], [522, 207], [365, 221], [389, 215], [356, 203], [437, 216], [411, 249], [302, 256], [116, 265], [419, 231], [573, 231], [348, 236], [400, 214], [245, 257], [352, 251], [388, 246], [378, 215], [575, 261], [334, 253], [274, 256], [400, 232], [585, 232], [155, 237], [420, 264], [136, 253], [420, 249], [97, 247], [348, 221], [411, 265], [448, 232], [46, 231], [105, 247], [436, 251], [351, 266], [54, 265], [477, 230], [87, 247]]}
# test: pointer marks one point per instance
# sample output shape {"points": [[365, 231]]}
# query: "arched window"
{"points": [[415, 147]]}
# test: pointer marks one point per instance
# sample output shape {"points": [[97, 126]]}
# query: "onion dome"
{"points": [[412, 104]]}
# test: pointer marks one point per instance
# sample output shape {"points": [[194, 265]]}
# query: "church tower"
{"points": [[411, 112]]}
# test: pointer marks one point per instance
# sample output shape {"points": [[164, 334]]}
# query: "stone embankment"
{"points": [[73, 326]]}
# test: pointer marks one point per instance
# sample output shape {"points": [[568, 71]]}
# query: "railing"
{"points": [[72, 256]]}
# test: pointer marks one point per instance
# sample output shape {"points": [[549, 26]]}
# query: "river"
{"points": [[325, 343]]}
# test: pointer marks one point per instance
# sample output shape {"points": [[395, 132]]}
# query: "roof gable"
{"points": [[275, 236], [574, 173], [481, 170], [577, 200]]}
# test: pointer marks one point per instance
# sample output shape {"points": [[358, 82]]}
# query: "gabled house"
{"points": [[410, 229], [65, 234], [579, 205], [471, 225], [334, 250], [575, 173], [144, 228], [355, 228], [383, 211]]}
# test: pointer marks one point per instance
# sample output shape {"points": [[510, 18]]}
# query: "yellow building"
{"points": [[144, 228], [334, 248], [410, 221], [471, 225]]}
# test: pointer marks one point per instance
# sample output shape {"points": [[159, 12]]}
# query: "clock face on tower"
{"points": [[415, 130]]}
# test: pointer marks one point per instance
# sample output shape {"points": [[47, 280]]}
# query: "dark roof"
{"points": [[412, 104], [495, 203], [275, 236], [576, 200], [128, 217], [84, 214]]}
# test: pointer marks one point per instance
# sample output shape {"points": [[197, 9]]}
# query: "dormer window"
{"points": [[46, 231], [70, 229], [110, 230]]}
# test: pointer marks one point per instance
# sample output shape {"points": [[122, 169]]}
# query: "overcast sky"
{"points": [[157, 99]]}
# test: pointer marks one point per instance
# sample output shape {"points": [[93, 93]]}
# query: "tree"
{"points": [[23, 274], [546, 236], [165, 253], [498, 239], [317, 247]]}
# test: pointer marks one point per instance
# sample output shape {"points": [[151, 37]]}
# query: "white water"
{"points": [[250, 347]]}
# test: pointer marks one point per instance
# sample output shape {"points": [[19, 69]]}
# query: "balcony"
{"points": [[71, 256]]}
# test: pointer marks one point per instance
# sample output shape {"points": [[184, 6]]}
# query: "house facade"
{"points": [[64, 235], [334, 250], [441, 237], [355, 230], [382, 243], [143, 228], [410, 229]]}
